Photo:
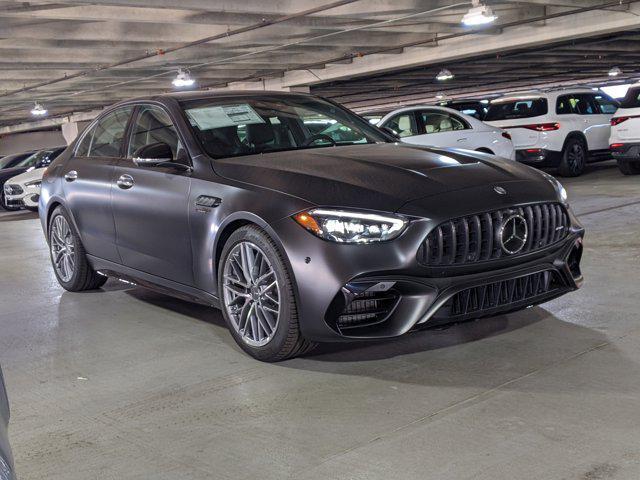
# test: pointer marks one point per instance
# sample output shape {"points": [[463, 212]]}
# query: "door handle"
{"points": [[125, 181], [461, 140], [71, 176]]}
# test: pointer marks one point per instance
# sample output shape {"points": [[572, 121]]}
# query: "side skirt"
{"points": [[153, 282]]}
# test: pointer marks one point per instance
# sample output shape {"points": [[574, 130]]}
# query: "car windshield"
{"points": [[10, 160], [35, 159], [516, 108], [231, 127], [632, 99]]}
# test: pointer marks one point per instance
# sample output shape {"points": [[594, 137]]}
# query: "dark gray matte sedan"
{"points": [[301, 221], [6, 461]]}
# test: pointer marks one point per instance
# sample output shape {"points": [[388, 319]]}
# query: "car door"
{"points": [[88, 175], [606, 108], [151, 203], [443, 129]]}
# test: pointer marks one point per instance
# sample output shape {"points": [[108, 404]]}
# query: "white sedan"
{"points": [[23, 191], [446, 127]]}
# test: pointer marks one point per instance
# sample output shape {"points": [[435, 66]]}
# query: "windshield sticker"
{"points": [[207, 118]]}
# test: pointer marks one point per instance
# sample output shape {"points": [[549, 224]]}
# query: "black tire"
{"points": [[574, 158], [4, 205], [629, 167], [287, 341], [83, 277]]}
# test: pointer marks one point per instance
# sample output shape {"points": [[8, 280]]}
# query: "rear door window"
{"points": [[606, 104], [516, 109]]}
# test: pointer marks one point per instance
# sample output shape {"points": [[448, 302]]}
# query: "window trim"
{"points": [[134, 116]]}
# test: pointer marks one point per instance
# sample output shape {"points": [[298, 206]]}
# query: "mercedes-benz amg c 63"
{"points": [[301, 221]]}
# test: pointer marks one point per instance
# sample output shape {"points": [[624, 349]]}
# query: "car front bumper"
{"points": [[25, 200], [386, 277]]}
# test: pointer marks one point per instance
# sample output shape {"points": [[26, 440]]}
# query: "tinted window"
{"points": [[403, 124], [41, 158], [606, 104], [105, 139], [437, 122], [473, 109], [576, 103], [12, 160], [248, 125], [632, 99], [153, 125], [513, 109]]}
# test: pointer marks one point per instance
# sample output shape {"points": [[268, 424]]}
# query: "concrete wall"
{"points": [[20, 142]]}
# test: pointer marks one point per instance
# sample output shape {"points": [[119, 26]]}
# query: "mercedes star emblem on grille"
{"points": [[513, 234], [500, 190]]}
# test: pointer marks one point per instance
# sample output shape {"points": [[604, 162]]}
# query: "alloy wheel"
{"points": [[575, 157], [251, 294], [63, 251]]}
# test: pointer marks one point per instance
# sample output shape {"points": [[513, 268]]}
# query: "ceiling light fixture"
{"points": [[183, 79], [478, 14], [38, 110], [444, 75], [615, 71], [440, 96]]}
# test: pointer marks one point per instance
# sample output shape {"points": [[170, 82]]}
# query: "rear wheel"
{"points": [[629, 167], [574, 158], [258, 301], [68, 257]]}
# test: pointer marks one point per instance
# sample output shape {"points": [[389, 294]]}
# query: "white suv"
{"points": [[625, 133], [556, 128]]}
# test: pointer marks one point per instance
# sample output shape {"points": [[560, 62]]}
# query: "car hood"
{"points": [[28, 176], [377, 176], [7, 173]]}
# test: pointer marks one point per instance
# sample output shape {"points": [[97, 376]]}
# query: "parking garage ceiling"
{"points": [[75, 56]]}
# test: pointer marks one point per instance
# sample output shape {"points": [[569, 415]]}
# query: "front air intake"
{"points": [[366, 309]]}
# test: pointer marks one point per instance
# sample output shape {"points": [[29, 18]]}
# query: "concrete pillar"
{"points": [[72, 129]]}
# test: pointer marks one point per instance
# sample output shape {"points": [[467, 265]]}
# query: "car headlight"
{"points": [[345, 226], [562, 192], [35, 183]]}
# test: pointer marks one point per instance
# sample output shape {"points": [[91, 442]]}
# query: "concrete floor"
{"points": [[128, 384]]}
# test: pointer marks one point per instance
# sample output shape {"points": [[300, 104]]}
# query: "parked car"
{"points": [[6, 460], [37, 160], [474, 108], [445, 127], [556, 128], [231, 200], [625, 133], [11, 161], [23, 191]]}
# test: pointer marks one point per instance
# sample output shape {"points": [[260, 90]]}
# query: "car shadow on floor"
{"points": [[18, 216]]}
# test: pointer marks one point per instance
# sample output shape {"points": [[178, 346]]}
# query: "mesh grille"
{"points": [[501, 295], [474, 238], [367, 309]]}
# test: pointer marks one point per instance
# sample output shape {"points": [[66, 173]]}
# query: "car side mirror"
{"points": [[153, 155], [390, 132]]}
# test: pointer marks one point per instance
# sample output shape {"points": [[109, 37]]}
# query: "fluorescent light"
{"points": [[183, 79], [38, 110], [478, 15], [615, 71], [444, 75]]}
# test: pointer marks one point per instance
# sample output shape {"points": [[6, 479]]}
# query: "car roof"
{"points": [[203, 94]]}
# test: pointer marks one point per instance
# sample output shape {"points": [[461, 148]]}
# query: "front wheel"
{"points": [[257, 297], [574, 158], [68, 257], [629, 168]]}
